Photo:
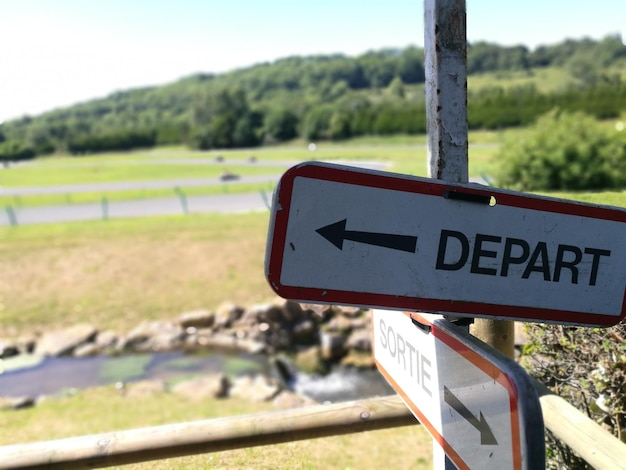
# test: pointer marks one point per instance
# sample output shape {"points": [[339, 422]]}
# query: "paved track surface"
{"points": [[224, 203], [164, 206]]}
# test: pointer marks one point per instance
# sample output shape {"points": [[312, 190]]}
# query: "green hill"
{"points": [[330, 97]]}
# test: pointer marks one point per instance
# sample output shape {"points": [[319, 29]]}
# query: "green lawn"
{"points": [[103, 170], [402, 154]]}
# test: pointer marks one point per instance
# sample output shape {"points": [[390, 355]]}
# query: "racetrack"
{"points": [[146, 207]]}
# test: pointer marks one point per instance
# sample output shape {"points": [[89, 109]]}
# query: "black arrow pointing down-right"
{"points": [[486, 435]]}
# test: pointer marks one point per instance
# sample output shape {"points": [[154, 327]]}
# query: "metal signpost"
{"points": [[361, 237], [340, 235], [477, 404]]}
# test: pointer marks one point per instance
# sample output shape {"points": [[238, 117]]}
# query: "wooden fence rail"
{"points": [[198, 437], [594, 444]]}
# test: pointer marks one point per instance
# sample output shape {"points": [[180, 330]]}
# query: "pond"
{"points": [[33, 376]]}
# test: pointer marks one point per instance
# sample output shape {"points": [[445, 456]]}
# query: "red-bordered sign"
{"points": [[360, 237], [478, 405]]}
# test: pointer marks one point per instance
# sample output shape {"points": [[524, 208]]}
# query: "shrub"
{"points": [[564, 151], [587, 367], [14, 151]]}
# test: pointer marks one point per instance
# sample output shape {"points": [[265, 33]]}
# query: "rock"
{"points": [[106, 340], [324, 312], [228, 341], [8, 349], [273, 314], [87, 349], [256, 389], [360, 340], [251, 346], [350, 312], [154, 336], [339, 324], [358, 359], [250, 317], [16, 403], [144, 388], [284, 312], [26, 344], [211, 340], [227, 314], [333, 345], [286, 400], [63, 342], [304, 332], [309, 360], [294, 311], [197, 319], [212, 386]]}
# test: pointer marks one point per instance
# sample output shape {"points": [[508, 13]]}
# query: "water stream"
{"points": [[34, 376]]}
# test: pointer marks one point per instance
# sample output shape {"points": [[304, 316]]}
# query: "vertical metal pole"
{"points": [[183, 199], [445, 40], [105, 208], [445, 44], [11, 216]]}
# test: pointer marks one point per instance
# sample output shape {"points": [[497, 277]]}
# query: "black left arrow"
{"points": [[336, 234], [486, 435]]}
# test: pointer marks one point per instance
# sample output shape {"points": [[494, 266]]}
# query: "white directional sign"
{"points": [[480, 406], [360, 237]]}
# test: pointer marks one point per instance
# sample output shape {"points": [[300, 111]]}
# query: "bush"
{"points": [[113, 141], [587, 367], [15, 151], [564, 151]]}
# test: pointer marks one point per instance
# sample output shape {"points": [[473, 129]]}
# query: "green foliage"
{"points": [[237, 108], [224, 120], [396, 88], [564, 151], [119, 140], [486, 57], [14, 151], [316, 122], [587, 367], [281, 124]]}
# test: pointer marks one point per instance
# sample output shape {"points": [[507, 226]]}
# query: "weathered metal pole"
{"points": [[446, 88], [445, 47], [445, 43], [445, 40]]}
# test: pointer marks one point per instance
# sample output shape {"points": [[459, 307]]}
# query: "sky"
{"points": [[55, 53]]}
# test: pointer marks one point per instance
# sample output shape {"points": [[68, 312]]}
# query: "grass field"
{"points": [[118, 273]]}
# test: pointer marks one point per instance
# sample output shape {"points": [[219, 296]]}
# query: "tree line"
{"points": [[319, 97]]}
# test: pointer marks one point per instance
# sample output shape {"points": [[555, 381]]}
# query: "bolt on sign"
{"points": [[478, 405], [351, 236]]}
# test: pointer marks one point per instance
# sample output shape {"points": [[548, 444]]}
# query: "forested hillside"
{"points": [[327, 97]]}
